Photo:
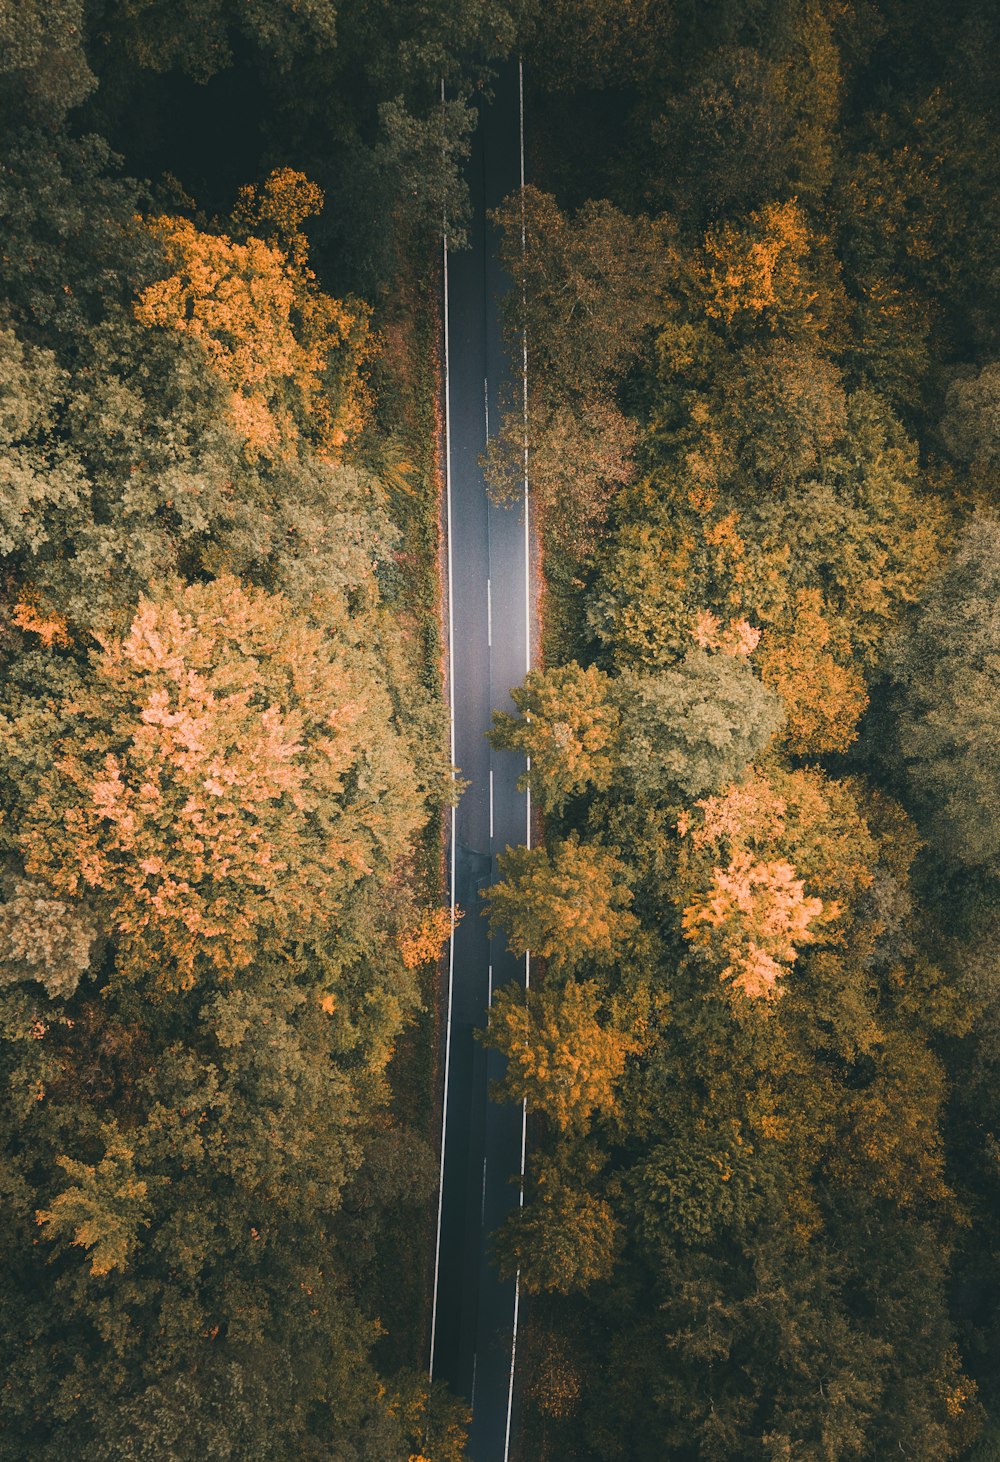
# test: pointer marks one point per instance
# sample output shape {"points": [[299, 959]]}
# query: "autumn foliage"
{"points": [[756, 916], [569, 905], [291, 355], [824, 699], [421, 942], [767, 868], [34, 616], [200, 794], [569, 727], [103, 1209], [564, 1055], [765, 269], [755, 272]]}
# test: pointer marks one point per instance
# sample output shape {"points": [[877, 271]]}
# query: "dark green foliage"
{"points": [[947, 671], [692, 729], [971, 423], [74, 256], [200, 39], [727, 139], [351, 93], [43, 67]]}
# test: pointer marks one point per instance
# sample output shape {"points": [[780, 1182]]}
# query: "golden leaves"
{"points": [[823, 699], [291, 355], [737, 638], [564, 1055], [199, 792], [751, 912], [748, 809], [286, 199], [759, 915], [103, 1207], [32, 614], [567, 905], [421, 942], [754, 270]]}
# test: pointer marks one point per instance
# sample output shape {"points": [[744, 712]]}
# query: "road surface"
{"points": [[475, 1315]]}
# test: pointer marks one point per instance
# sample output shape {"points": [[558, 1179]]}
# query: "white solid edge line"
{"points": [[454, 812], [527, 623]]}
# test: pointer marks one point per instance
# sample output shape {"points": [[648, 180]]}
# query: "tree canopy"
{"points": [[755, 272], [760, 326]]}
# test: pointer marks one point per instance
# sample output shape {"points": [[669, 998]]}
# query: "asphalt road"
{"points": [[475, 1315]]}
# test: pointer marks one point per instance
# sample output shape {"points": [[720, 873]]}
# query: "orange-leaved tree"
{"points": [[565, 1056], [757, 916], [291, 355], [773, 270], [422, 940], [824, 699], [766, 868], [229, 771]]}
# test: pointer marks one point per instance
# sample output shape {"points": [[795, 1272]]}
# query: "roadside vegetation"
{"points": [[760, 295], [222, 735]]}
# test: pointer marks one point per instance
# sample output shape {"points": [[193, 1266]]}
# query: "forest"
{"points": [[757, 273]]}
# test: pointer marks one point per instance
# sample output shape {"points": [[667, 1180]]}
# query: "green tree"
{"points": [[948, 688], [180, 1191], [971, 423], [131, 467], [103, 1208], [289, 354], [564, 1237], [43, 64], [727, 139], [587, 288], [44, 939], [689, 730], [762, 1141], [200, 39], [587, 292], [774, 483], [595, 43]]}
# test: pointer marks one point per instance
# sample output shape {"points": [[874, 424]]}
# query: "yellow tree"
{"points": [[772, 270], [104, 1206], [569, 727], [422, 940], [823, 698], [291, 355], [228, 773], [755, 916], [564, 1056], [569, 905], [766, 868]]}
